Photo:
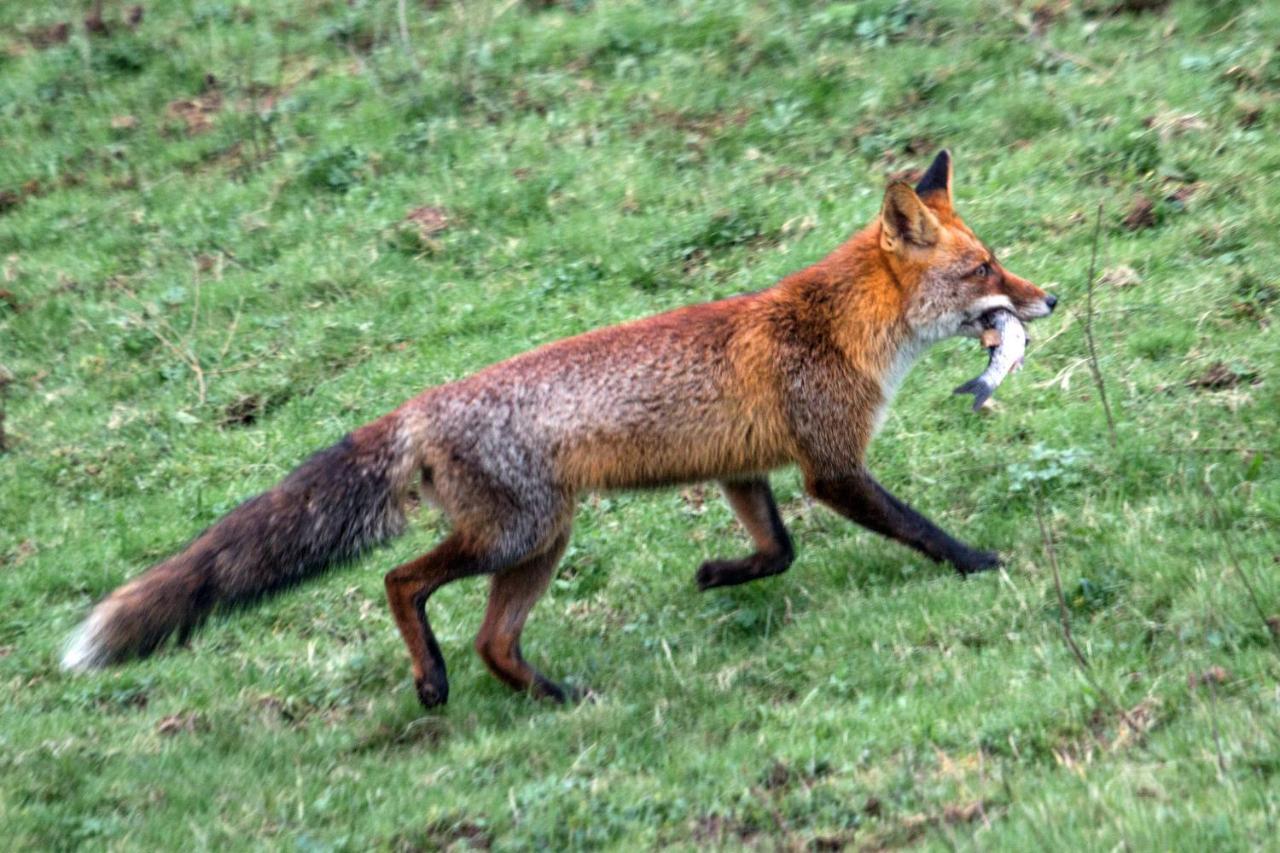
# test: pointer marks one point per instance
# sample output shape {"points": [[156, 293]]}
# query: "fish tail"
{"points": [[980, 390]]}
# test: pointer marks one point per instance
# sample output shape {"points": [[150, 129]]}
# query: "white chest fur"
{"points": [[901, 365]]}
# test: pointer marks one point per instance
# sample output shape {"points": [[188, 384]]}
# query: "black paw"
{"points": [[432, 693], [978, 561], [545, 688], [561, 694], [715, 573]]}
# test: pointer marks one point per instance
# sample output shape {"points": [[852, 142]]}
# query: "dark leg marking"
{"points": [[408, 588], [512, 594], [861, 499], [752, 501]]}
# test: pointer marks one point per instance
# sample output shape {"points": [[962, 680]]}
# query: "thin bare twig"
{"points": [[231, 332], [1249, 588], [1065, 621], [186, 354], [5, 378], [1253, 451], [195, 305], [1057, 585], [1088, 330], [1213, 725], [402, 19]]}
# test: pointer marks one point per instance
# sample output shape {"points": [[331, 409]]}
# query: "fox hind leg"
{"points": [[513, 593], [408, 588], [752, 501], [471, 549]]}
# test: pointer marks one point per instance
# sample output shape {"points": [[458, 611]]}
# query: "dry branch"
{"points": [[1065, 622], [5, 378], [1267, 622], [1088, 330]]}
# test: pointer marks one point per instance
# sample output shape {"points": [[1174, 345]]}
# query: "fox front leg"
{"points": [[752, 501], [861, 499]]}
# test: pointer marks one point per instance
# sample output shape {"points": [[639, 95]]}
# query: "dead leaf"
{"points": [[430, 220], [779, 776], [1250, 115], [124, 122], [9, 199], [244, 411], [175, 724], [782, 173], [910, 176], [25, 550], [918, 145], [1136, 722], [1142, 213], [94, 24], [1213, 675], [1219, 375], [698, 124], [1171, 124], [1121, 275], [197, 114], [43, 37], [1138, 6], [1178, 198], [965, 813], [798, 225], [1045, 13], [694, 497]]}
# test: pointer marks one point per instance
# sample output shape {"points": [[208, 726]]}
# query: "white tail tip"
{"points": [[84, 649]]}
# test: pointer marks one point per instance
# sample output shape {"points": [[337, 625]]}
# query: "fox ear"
{"points": [[905, 221], [935, 185]]}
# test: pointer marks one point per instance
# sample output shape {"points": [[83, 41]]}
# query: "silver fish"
{"points": [[1005, 357]]}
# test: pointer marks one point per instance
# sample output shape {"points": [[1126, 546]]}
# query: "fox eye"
{"points": [[983, 271]]}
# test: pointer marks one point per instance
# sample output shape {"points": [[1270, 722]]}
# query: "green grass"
{"points": [[190, 312]]}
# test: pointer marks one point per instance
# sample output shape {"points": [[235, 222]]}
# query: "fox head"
{"points": [[950, 279]]}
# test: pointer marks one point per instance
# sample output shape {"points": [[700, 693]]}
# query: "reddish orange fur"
{"points": [[796, 374], [800, 373]]}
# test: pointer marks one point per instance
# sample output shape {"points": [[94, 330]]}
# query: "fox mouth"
{"points": [[974, 323], [972, 327], [977, 321]]}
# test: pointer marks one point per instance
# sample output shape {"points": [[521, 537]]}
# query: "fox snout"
{"points": [[1029, 302]]}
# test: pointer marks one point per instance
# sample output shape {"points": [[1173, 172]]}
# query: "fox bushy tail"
{"points": [[336, 504]]}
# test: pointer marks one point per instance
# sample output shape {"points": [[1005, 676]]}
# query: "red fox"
{"points": [[798, 374]]}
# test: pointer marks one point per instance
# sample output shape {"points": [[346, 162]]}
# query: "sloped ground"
{"points": [[230, 232]]}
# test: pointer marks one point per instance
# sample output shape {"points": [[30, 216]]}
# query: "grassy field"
{"points": [[233, 231]]}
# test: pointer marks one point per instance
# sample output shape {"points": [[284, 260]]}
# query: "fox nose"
{"points": [[1050, 300]]}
